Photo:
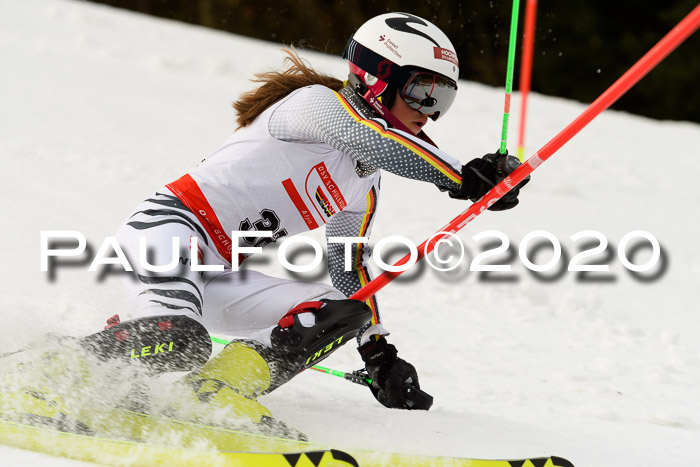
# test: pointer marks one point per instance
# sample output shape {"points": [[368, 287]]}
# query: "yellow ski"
{"points": [[218, 446]]}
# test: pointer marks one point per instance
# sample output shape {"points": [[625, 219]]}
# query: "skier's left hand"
{"points": [[394, 381]]}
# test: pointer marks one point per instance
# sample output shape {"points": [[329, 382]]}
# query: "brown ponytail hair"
{"points": [[276, 85]]}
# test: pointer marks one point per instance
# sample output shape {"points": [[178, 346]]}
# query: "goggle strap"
{"points": [[377, 87]]}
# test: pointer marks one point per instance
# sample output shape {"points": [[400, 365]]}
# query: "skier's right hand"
{"points": [[481, 174], [394, 381]]}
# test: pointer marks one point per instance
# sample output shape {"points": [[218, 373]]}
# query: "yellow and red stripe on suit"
{"points": [[442, 164], [358, 266]]}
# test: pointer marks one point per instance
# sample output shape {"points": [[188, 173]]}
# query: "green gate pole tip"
{"points": [[216, 340], [509, 73]]}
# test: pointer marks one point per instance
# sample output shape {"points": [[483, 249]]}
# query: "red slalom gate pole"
{"points": [[665, 46], [526, 70]]}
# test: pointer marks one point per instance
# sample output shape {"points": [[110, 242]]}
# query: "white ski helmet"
{"points": [[405, 52]]}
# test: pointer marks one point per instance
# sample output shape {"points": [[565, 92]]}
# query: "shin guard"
{"points": [[159, 343]]}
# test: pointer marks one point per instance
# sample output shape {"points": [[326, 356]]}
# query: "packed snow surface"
{"points": [[101, 107]]}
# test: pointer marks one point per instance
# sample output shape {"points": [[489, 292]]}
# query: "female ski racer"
{"points": [[308, 152]]}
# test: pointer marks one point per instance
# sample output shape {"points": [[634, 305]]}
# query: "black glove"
{"points": [[480, 175], [394, 381]]}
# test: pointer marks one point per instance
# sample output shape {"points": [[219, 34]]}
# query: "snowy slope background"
{"points": [[100, 107]]}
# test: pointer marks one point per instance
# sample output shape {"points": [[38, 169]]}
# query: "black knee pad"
{"points": [[337, 321], [159, 343]]}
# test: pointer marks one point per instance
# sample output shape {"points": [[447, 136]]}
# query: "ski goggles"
{"points": [[429, 93]]}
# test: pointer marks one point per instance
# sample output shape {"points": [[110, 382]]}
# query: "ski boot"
{"points": [[232, 380], [63, 382], [224, 392], [246, 368]]}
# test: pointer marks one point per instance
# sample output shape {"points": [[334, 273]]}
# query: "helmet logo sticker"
{"points": [[445, 54], [383, 69], [401, 24], [391, 45], [382, 37]]}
